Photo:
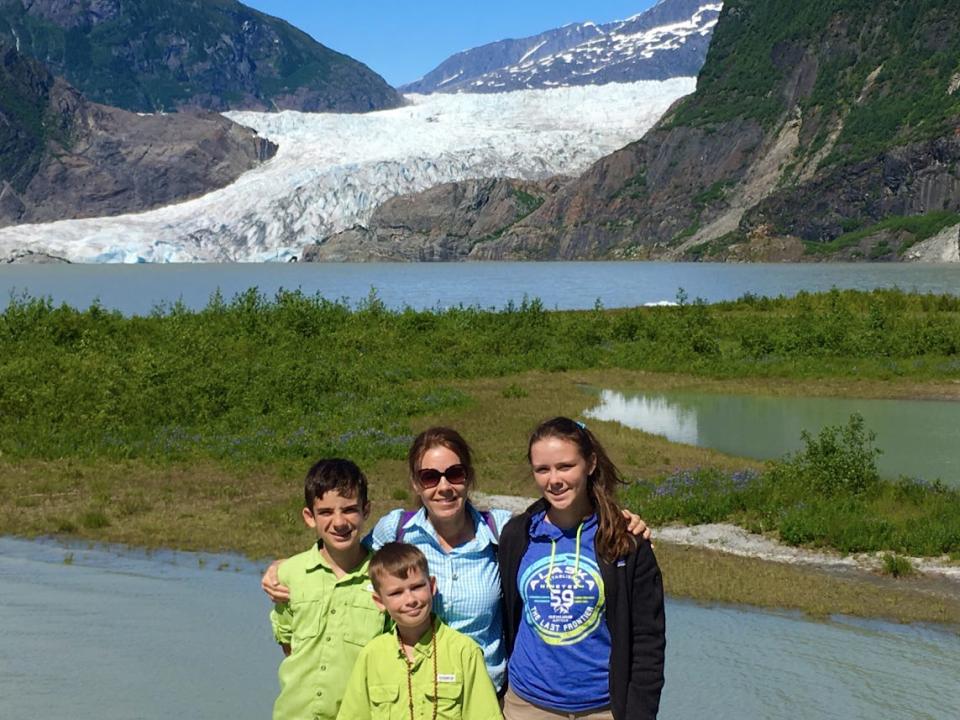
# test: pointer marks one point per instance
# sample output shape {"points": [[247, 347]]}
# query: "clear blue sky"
{"points": [[403, 40]]}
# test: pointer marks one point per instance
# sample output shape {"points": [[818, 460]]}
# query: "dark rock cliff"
{"points": [[64, 157], [150, 55], [446, 222], [818, 126]]}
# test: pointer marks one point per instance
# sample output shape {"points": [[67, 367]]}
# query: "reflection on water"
{"points": [[115, 637], [918, 437]]}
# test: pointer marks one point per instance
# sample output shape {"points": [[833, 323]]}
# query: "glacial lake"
{"points": [[918, 437], [137, 289], [110, 634]]}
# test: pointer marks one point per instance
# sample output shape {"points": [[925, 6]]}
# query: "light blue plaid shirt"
{"points": [[468, 579]]}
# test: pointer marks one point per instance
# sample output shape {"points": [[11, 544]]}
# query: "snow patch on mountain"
{"points": [[332, 170], [668, 40]]}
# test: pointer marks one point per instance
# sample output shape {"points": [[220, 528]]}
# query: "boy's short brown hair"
{"points": [[337, 474], [397, 559]]}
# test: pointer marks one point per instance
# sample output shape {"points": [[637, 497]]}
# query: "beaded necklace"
{"points": [[433, 643]]}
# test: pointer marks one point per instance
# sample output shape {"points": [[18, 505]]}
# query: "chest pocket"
{"points": [[447, 698], [382, 699], [306, 618], [364, 621]]}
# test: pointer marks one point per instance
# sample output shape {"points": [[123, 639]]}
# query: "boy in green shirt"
{"points": [[423, 669], [331, 613]]}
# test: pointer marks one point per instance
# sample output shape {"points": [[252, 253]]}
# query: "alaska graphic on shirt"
{"points": [[563, 597]]}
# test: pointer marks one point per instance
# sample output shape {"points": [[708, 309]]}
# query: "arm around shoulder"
{"points": [[281, 616], [648, 635], [385, 530]]}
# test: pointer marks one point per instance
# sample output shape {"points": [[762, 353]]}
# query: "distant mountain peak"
{"points": [[668, 40]]}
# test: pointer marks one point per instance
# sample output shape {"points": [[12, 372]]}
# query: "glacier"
{"points": [[332, 170]]}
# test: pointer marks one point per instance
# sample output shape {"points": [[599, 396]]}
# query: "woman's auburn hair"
{"points": [[612, 540], [440, 436]]}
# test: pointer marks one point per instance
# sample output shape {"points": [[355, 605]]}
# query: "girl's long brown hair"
{"points": [[612, 540]]}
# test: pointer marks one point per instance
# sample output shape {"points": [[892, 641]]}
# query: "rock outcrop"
{"points": [[447, 222], [64, 157], [164, 55]]}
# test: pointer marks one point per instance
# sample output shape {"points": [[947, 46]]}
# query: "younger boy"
{"points": [[423, 669], [331, 614]]}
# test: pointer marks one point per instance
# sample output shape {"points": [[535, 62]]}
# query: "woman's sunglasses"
{"points": [[455, 475]]}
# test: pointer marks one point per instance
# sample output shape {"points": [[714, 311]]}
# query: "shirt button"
{"points": [[333, 611], [323, 667], [453, 577], [319, 693]]}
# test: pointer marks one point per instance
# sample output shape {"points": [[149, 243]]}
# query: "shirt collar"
{"points": [[424, 646], [540, 528], [421, 523], [318, 561]]}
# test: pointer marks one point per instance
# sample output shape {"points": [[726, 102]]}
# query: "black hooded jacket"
{"points": [[634, 611]]}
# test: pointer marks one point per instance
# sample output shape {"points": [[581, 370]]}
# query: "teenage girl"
{"points": [[583, 599]]}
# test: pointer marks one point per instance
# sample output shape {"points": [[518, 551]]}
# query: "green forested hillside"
{"points": [[148, 55], [26, 122], [890, 66]]}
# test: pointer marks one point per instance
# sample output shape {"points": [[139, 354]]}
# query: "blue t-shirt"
{"points": [[561, 657]]}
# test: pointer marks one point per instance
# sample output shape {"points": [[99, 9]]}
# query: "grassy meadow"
{"points": [[192, 429]]}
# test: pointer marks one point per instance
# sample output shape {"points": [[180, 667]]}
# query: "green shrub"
{"points": [[896, 565], [840, 460], [94, 520], [513, 391]]}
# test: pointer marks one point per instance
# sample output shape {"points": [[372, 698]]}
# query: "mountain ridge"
{"points": [[162, 55], [668, 40]]}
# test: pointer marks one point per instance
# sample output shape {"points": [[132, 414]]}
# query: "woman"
{"points": [[583, 599], [458, 540]]}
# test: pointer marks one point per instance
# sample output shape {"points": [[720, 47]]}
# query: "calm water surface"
{"points": [[121, 636], [918, 437], [139, 288]]}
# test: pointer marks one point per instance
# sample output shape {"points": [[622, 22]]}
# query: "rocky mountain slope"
{"points": [[443, 223], [818, 130], [151, 55], [668, 40], [64, 157]]}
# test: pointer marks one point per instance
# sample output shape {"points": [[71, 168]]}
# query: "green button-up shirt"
{"points": [[378, 688], [326, 623]]}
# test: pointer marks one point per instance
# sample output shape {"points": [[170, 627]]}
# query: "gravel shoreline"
{"points": [[734, 540]]}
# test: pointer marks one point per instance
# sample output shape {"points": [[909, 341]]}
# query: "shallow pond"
{"points": [[116, 635], [918, 437]]}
